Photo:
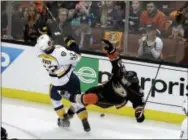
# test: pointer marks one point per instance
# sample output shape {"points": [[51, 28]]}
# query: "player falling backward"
{"points": [[184, 130], [121, 88], [59, 62]]}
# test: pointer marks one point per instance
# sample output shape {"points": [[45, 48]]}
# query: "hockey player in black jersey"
{"points": [[122, 87]]}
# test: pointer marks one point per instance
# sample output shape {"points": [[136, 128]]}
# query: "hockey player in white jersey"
{"points": [[184, 130], [60, 61]]}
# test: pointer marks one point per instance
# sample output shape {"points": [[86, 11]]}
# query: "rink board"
{"points": [[23, 77]]}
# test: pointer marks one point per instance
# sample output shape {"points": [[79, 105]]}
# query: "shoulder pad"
{"points": [[63, 51]]}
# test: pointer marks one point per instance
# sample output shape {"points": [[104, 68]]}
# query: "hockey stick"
{"points": [[54, 19], [146, 100]]}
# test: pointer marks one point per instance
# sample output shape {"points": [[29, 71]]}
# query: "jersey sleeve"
{"points": [[117, 66], [67, 57]]}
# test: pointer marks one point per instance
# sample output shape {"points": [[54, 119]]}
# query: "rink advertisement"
{"points": [[87, 71], [24, 77], [8, 55]]}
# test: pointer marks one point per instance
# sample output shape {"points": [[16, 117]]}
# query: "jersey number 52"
{"points": [[50, 68]]}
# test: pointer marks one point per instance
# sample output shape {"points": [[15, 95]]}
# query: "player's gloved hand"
{"points": [[71, 44], [108, 46], [139, 114], [69, 41]]}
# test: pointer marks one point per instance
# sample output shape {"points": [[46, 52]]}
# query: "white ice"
{"points": [[26, 120]]}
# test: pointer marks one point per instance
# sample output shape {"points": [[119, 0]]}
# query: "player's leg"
{"points": [[73, 88], [95, 95], [82, 114], [58, 107], [70, 112], [91, 96], [136, 96]]}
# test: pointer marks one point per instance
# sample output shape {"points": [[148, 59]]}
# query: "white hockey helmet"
{"points": [[43, 42]]}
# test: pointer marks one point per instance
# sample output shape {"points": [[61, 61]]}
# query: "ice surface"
{"points": [[28, 120]]}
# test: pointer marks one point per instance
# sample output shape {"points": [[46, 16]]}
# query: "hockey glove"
{"points": [[139, 114], [71, 44], [69, 40], [108, 46]]}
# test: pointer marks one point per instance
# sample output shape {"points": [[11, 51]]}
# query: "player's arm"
{"points": [[70, 54], [68, 57], [110, 51]]}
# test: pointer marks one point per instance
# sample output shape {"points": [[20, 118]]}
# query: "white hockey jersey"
{"points": [[59, 64]]}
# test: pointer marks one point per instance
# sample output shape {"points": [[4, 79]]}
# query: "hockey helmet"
{"points": [[44, 42]]}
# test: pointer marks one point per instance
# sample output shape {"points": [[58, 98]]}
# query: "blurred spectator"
{"points": [[83, 8], [54, 6], [44, 15], [31, 30], [70, 4], [81, 18], [150, 46], [4, 19], [153, 16], [180, 26], [120, 6], [40, 6], [134, 17], [111, 18], [86, 39], [172, 15], [61, 28], [95, 9], [76, 14], [71, 13], [184, 60], [94, 12], [182, 30], [17, 26]]}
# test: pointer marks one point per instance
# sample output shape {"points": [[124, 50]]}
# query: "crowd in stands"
{"points": [[88, 21]]}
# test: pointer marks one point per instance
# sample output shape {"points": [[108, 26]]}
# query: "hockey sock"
{"points": [[82, 114], [60, 111]]}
